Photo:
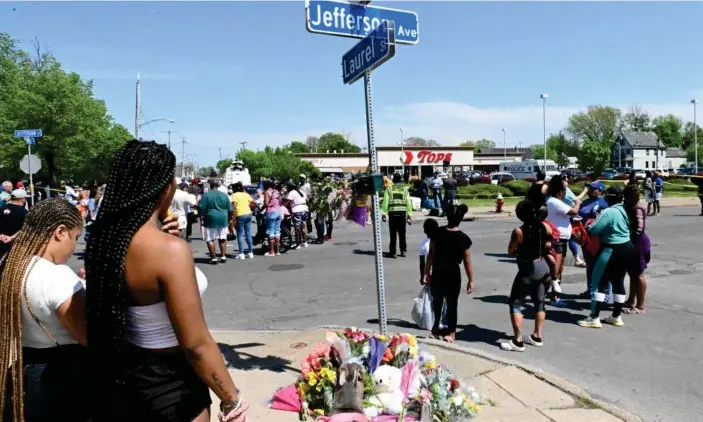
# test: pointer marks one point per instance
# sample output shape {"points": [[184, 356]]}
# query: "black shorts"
{"points": [[162, 387], [561, 246]]}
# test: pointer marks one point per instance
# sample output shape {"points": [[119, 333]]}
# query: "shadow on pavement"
{"points": [[499, 255], [395, 322], [475, 334], [243, 361], [369, 253]]}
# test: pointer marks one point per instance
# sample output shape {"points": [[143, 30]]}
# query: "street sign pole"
{"points": [[31, 180], [377, 241]]}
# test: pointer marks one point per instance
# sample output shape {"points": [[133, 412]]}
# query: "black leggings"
{"points": [[530, 281], [613, 263], [446, 286]]}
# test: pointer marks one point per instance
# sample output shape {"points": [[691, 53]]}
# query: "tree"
{"points": [[80, 137], [482, 144], [207, 171], [335, 142], [668, 130], [636, 119], [415, 141], [688, 138], [537, 152], [276, 162], [595, 130], [223, 165], [299, 147], [312, 143]]}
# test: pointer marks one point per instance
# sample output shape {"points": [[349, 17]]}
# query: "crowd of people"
{"points": [[126, 338]]}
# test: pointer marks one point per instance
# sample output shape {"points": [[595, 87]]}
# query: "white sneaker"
{"points": [[305, 244], [533, 341], [616, 321], [556, 285], [510, 346], [241, 256], [590, 323], [223, 259], [250, 256]]}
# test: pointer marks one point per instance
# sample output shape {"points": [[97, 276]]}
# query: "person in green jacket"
{"points": [[397, 208], [616, 259]]}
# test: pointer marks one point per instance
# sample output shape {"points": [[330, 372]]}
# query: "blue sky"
{"points": [[229, 72]]}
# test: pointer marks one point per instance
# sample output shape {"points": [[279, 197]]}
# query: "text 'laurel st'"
{"points": [[359, 60]]}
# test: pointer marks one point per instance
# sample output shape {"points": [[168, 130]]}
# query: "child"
{"points": [[430, 227], [551, 256]]}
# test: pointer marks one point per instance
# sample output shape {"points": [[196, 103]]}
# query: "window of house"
{"points": [[647, 152]]}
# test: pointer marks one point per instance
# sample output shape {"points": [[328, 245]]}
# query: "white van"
{"points": [[527, 169]]}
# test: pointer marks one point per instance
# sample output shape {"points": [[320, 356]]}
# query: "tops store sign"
{"points": [[425, 157]]}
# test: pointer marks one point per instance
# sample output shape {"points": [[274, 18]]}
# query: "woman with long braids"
{"points": [[42, 323], [152, 355]]}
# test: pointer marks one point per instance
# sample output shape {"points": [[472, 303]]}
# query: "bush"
{"points": [[518, 187], [481, 191]]}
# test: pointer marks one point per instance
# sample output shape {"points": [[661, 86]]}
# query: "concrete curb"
{"points": [[557, 382]]}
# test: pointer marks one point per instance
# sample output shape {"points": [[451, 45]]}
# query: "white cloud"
{"points": [[447, 122]]}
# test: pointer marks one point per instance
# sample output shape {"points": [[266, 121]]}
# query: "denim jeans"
{"points": [[244, 229], [273, 224], [437, 198]]}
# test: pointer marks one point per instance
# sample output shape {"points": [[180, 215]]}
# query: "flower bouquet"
{"points": [[400, 382]]}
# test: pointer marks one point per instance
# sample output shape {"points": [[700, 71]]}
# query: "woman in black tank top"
{"points": [[529, 244]]}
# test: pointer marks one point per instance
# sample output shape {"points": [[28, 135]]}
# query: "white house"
{"points": [[639, 150]]}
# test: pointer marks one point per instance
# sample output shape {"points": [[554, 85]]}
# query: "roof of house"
{"points": [[641, 139], [675, 153]]}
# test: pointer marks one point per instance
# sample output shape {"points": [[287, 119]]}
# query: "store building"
{"points": [[413, 161]]}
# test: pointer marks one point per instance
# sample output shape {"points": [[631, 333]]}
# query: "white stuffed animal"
{"points": [[388, 396]]}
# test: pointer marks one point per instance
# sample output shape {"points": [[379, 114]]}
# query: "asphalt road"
{"points": [[651, 367]]}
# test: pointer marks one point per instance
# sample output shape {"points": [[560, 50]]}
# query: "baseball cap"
{"points": [[597, 185], [19, 194], [302, 176]]}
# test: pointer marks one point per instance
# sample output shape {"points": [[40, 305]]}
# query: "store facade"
{"points": [[413, 161]]}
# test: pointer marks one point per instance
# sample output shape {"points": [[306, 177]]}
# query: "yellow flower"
{"points": [[318, 412], [312, 379], [412, 342], [304, 387], [329, 374], [413, 350], [430, 364], [381, 337]]}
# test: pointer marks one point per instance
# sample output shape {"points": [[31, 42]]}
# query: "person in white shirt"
{"points": [[224, 190], [43, 301], [305, 187], [436, 185], [560, 215], [300, 211], [182, 205]]}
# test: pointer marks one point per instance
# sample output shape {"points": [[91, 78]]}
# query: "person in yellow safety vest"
{"points": [[397, 208]]}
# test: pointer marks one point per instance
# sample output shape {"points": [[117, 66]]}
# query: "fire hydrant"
{"points": [[499, 203]]}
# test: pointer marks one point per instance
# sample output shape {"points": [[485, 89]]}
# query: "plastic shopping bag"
{"points": [[422, 309]]}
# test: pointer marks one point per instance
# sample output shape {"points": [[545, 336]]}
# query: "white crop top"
{"points": [[149, 326]]}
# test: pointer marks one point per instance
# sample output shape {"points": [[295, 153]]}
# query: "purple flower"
{"points": [[376, 350]]}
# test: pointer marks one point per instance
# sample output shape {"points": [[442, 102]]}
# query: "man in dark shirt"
{"points": [[11, 219], [450, 186], [698, 181]]}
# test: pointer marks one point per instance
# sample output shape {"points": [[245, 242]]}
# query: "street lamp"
{"points": [[505, 147], [140, 125], [695, 135], [544, 127]]}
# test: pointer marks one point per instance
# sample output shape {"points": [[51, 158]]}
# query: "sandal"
{"points": [[634, 311], [448, 339]]}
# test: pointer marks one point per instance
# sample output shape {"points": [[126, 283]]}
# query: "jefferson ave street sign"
{"points": [[369, 53], [352, 20]]}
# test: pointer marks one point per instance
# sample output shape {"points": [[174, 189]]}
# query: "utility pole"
{"points": [[220, 151], [137, 110], [183, 157], [244, 145], [505, 146], [169, 136]]}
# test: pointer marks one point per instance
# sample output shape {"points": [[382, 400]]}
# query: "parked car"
{"points": [[640, 174], [500, 178], [624, 170], [609, 174], [664, 173]]}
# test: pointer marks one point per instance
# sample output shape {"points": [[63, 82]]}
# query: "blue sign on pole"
{"points": [[369, 53], [356, 21], [33, 133], [29, 140]]}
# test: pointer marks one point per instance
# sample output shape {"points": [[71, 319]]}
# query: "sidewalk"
{"points": [[263, 361]]}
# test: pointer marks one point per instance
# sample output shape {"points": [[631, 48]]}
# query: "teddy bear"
{"points": [[387, 393]]}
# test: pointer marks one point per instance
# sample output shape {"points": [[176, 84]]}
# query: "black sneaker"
{"points": [[402, 255], [214, 261]]}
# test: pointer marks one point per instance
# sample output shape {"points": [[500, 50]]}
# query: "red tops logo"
{"points": [[427, 157]]}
